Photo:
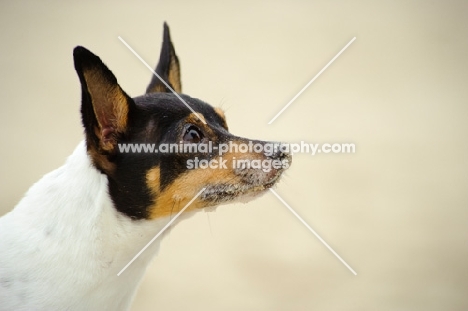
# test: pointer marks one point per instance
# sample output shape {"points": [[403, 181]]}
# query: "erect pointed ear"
{"points": [[105, 107], [168, 68]]}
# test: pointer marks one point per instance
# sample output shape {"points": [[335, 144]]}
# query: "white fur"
{"points": [[64, 243]]}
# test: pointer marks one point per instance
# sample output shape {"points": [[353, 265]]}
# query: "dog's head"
{"points": [[160, 149]]}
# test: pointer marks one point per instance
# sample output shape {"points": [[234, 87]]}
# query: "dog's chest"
{"points": [[64, 244]]}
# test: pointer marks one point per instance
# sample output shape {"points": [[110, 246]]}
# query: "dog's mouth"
{"points": [[224, 192], [245, 184]]}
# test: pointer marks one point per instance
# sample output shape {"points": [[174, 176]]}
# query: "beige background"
{"points": [[396, 210]]}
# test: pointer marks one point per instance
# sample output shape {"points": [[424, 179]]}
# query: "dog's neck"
{"points": [[73, 243]]}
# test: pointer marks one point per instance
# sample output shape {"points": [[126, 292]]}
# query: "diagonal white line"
{"points": [[162, 80], [160, 232], [313, 79], [312, 230]]}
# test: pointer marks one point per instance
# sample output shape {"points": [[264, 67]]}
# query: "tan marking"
{"points": [[120, 109], [192, 118], [153, 180], [111, 110], [109, 103], [186, 186], [174, 75], [158, 88], [221, 114], [173, 78], [100, 160]]}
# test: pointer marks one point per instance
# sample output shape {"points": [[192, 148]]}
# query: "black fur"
{"points": [[166, 56], [159, 118], [154, 118], [85, 60]]}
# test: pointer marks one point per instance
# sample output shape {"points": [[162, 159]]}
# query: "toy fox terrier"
{"points": [[64, 243]]}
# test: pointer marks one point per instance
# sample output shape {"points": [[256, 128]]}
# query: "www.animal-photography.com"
{"points": [[304, 155]]}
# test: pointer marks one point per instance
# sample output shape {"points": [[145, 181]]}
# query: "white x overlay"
{"points": [[271, 190], [310, 82], [313, 231], [161, 231], [162, 80]]}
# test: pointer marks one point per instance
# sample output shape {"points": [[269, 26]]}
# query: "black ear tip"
{"points": [[80, 52], [84, 58], [166, 33]]}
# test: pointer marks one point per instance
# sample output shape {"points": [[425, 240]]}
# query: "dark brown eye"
{"points": [[193, 135]]}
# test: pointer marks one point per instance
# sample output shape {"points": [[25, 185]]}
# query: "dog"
{"points": [[64, 243]]}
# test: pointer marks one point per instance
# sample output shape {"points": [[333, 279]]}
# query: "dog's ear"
{"points": [[168, 68], [105, 107]]}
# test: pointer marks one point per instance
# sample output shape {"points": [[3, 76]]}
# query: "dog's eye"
{"points": [[193, 135]]}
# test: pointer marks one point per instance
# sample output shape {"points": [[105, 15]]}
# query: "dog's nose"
{"points": [[281, 153]]}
